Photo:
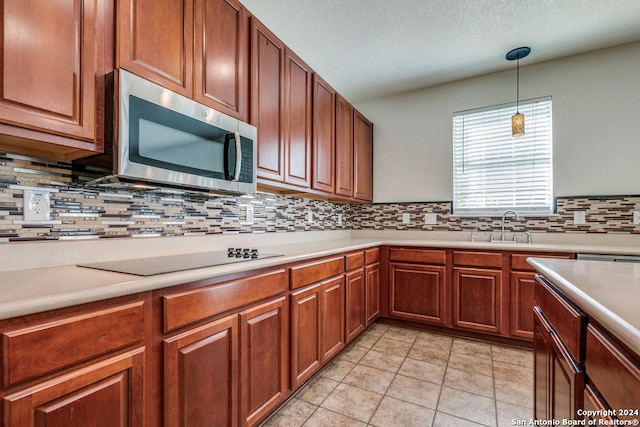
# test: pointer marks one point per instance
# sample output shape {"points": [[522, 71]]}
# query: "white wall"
{"points": [[596, 126]]}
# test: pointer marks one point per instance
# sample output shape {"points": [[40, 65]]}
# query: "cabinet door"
{"points": [[332, 317], [522, 287], [541, 366], [264, 378], [567, 383], [417, 292], [221, 56], [477, 299], [52, 66], [305, 333], [363, 158], [298, 120], [156, 41], [355, 303], [108, 393], [344, 147], [372, 292], [323, 136], [201, 375], [267, 94]]}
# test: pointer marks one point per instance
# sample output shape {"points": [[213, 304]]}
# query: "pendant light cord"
{"points": [[518, 85]]}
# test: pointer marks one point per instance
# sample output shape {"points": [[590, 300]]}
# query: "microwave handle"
{"points": [[236, 175]]}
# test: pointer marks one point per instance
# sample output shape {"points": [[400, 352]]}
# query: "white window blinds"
{"points": [[493, 171]]}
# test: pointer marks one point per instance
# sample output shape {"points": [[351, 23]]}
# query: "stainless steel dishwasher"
{"points": [[603, 257]]}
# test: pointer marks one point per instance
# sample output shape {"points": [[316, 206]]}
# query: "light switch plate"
{"points": [[406, 218], [249, 214], [339, 219], [309, 217], [636, 217], [579, 217], [430, 218]]}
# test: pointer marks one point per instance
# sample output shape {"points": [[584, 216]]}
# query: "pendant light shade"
{"points": [[517, 124], [517, 120]]}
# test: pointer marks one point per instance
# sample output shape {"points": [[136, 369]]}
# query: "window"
{"points": [[493, 171]]}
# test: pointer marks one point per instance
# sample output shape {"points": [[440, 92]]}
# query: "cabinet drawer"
{"points": [[612, 372], [477, 259], [353, 261], [568, 322], [43, 348], [519, 261], [371, 256], [306, 274], [188, 307], [421, 256]]}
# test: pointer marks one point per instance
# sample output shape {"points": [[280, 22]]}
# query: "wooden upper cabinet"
{"points": [[52, 76], [297, 121], [344, 147], [363, 158], [267, 94], [221, 56], [156, 41], [323, 136]]}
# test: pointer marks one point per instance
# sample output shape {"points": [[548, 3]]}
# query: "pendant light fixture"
{"points": [[517, 120]]}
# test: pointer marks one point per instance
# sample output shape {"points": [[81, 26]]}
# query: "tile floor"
{"points": [[401, 377]]}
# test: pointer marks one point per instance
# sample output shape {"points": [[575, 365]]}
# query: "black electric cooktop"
{"points": [[169, 264]]}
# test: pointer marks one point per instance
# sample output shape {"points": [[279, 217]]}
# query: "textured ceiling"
{"points": [[372, 48]]}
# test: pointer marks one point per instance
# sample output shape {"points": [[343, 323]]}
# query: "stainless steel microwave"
{"points": [[161, 137]]}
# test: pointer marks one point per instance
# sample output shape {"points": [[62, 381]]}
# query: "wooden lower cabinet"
{"points": [[478, 299], [264, 359], [559, 380], [522, 285], [372, 292], [355, 303], [108, 393], [201, 375], [317, 327], [417, 292]]}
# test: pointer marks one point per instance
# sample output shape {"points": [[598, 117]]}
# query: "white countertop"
{"points": [[608, 292], [44, 276]]}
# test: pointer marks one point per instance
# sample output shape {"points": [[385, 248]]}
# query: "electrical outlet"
{"points": [[579, 217], [430, 218], [636, 217], [36, 205], [406, 218], [309, 217], [249, 214]]}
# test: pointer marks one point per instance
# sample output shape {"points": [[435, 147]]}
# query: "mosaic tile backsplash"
{"points": [[79, 212]]}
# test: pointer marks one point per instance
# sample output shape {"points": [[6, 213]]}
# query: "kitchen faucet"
{"points": [[504, 215]]}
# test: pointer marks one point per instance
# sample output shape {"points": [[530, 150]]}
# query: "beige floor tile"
{"points": [[434, 340], [513, 356], [318, 390], [399, 348], [507, 413], [514, 373], [293, 415], [514, 392], [445, 420], [415, 391], [354, 353], [422, 370], [429, 354], [465, 362], [401, 334], [397, 413], [352, 402], [385, 361], [469, 381], [468, 406], [377, 330], [471, 348], [367, 341], [338, 370], [324, 418], [368, 378]]}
